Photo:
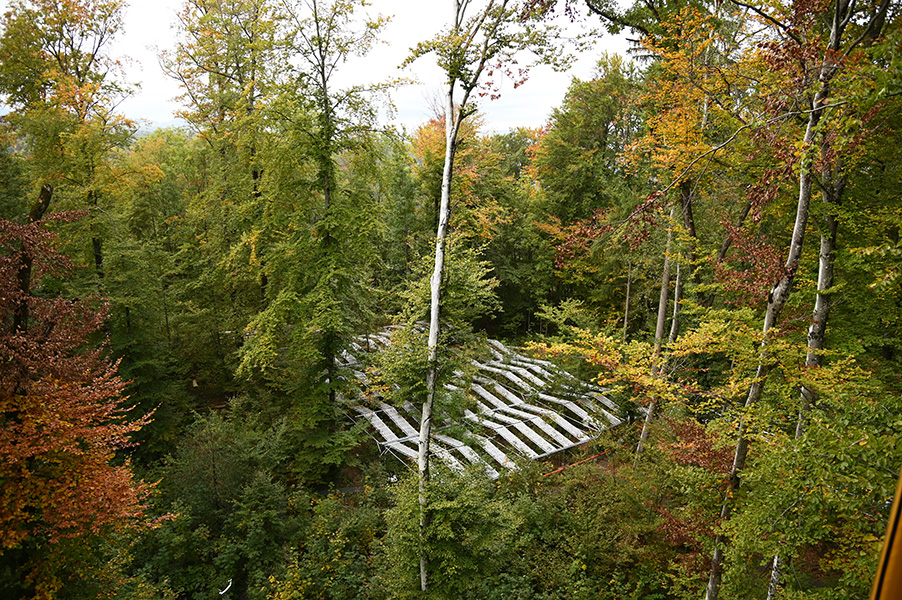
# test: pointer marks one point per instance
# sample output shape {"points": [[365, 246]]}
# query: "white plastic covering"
{"points": [[522, 406]]}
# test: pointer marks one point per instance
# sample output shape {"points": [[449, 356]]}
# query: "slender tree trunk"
{"points": [[97, 246], [23, 276], [468, 79], [820, 315], [96, 241], [777, 298], [833, 191], [725, 247], [816, 332], [626, 305], [774, 578], [728, 240], [166, 313], [686, 197], [659, 335], [677, 304], [663, 296], [435, 284], [841, 17], [326, 149]]}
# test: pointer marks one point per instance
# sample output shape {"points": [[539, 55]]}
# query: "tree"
{"points": [[233, 515], [63, 87], [686, 120], [145, 281], [473, 46], [229, 61], [832, 44], [577, 159], [325, 37], [63, 420], [318, 228]]}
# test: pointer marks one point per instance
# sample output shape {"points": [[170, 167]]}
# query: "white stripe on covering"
{"points": [[387, 434], [468, 453], [519, 425], [495, 452], [399, 420], [503, 431], [505, 373], [447, 458], [403, 449], [522, 372], [576, 409]]}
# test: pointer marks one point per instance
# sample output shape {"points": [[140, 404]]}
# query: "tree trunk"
{"points": [[841, 17], [823, 302], [659, 335], [779, 293], [686, 197], [774, 578], [665, 289], [677, 304], [626, 305], [23, 276], [435, 283], [468, 79], [96, 241], [833, 190], [725, 247], [97, 247]]}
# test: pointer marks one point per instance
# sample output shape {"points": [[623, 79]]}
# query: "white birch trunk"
{"points": [[493, 17], [834, 186], [776, 301], [774, 579], [677, 304], [435, 286], [626, 305], [833, 189], [452, 126]]}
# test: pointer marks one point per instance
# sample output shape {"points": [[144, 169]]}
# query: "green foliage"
{"points": [[491, 36], [827, 514], [468, 292], [54, 54], [465, 542], [339, 557], [522, 260], [230, 515], [582, 534], [579, 160], [12, 174], [141, 282], [241, 260]]}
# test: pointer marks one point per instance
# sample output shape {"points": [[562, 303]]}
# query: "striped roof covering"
{"points": [[523, 408]]}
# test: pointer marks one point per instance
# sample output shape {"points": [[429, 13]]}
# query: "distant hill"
{"points": [[147, 129]]}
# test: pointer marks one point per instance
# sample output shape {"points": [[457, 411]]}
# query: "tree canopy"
{"points": [[707, 230]]}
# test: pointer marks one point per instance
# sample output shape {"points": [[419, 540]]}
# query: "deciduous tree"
{"points": [[63, 419], [478, 42]]}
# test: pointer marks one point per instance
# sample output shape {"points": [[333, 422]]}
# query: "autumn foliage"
{"points": [[61, 415]]}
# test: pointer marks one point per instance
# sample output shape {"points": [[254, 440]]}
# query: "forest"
{"points": [[708, 228]]}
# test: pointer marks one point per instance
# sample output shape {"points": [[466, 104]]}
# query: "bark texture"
{"points": [[659, 336], [843, 11], [23, 276]]}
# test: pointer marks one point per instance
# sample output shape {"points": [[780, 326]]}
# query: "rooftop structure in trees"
{"points": [[522, 408]]}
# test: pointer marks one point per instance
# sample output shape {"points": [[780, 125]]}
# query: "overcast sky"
{"points": [[149, 25]]}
